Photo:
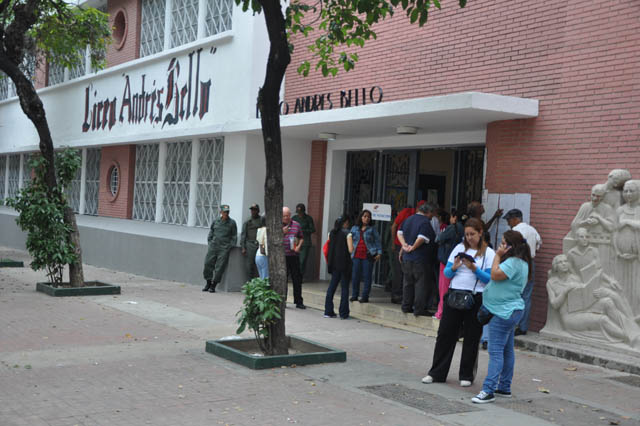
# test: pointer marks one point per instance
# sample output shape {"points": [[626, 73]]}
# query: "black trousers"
{"points": [[450, 324], [293, 270], [417, 286], [397, 283]]}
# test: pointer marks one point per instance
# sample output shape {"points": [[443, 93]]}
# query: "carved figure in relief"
{"points": [[593, 311], [594, 287], [615, 183], [627, 243]]}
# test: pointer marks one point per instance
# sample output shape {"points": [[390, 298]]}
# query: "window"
{"points": [[3, 173], [145, 186], [209, 191], [114, 180], [219, 13], [73, 191], [26, 170], [184, 22], [56, 74], [92, 182], [175, 203], [152, 27], [14, 175], [4, 86]]}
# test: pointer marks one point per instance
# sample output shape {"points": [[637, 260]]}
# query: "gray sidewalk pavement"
{"points": [[138, 359]]}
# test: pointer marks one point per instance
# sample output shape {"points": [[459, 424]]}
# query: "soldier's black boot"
{"points": [[213, 287], [208, 286]]}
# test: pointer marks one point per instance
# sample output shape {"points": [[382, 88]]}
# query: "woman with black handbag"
{"points": [[469, 267]]}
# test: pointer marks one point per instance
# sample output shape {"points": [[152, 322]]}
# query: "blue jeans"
{"points": [[262, 262], [361, 271], [336, 277], [523, 324], [502, 357]]}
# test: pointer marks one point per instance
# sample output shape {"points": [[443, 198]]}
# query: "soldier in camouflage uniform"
{"points": [[248, 241], [308, 228], [222, 237]]}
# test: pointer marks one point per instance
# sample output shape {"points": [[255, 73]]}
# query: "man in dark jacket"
{"points": [[418, 254]]}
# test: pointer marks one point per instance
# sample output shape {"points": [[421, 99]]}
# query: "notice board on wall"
{"points": [[505, 202]]}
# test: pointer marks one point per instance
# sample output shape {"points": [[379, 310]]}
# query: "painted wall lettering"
{"points": [[324, 101], [183, 96]]}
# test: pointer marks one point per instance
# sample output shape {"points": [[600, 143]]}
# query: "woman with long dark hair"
{"points": [[339, 266], [468, 267], [367, 249], [503, 298]]}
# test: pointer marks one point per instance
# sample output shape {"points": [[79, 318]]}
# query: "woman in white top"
{"points": [[472, 277], [262, 262]]}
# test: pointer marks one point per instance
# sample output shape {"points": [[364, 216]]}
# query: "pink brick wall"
{"points": [[122, 204], [131, 47], [579, 59]]}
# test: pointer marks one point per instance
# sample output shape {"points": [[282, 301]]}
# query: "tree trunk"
{"points": [[268, 104], [34, 110]]}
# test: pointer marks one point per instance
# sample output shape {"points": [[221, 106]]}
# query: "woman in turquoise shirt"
{"points": [[503, 298]]}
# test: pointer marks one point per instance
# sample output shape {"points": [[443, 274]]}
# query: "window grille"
{"points": [[4, 86], [73, 192], [26, 170], [14, 175], [209, 180], [3, 171], [80, 69], [152, 27], [92, 182], [184, 22], [56, 74], [144, 190], [219, 14], [114, 181], [175, 204]]}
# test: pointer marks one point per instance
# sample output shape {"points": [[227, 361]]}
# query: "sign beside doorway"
{"points": [[378, 211]]}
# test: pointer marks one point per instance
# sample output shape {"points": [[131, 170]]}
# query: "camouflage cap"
{"points": [[224, 208]]}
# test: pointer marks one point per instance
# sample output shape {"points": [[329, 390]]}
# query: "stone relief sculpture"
{"points": [[594, 286]]}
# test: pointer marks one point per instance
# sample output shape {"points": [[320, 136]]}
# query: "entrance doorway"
{"points": [[450, 178]]}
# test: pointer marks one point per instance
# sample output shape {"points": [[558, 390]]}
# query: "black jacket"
{"points": [[339, 259]]}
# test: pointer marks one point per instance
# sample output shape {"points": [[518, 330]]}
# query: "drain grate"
{"points": [[427, 402], [567, 413], [628, 380]]}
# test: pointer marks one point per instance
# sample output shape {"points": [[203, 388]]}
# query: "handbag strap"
{"points": [[481, 268]]}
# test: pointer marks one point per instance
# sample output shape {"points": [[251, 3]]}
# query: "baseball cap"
{"points": [[254, 206], [513, 213], [224, 208]]}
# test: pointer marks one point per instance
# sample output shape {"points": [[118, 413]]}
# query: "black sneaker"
{"points": [[330, 315], [483, 398], [300, 306], [503, 394]]}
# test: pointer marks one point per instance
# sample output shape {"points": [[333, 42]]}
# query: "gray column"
{"points": [[193, 182], [162, 166]]}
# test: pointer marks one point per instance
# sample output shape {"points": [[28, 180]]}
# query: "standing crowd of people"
{"points": [[441, 264]]}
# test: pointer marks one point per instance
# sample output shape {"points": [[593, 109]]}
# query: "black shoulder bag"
{"points": [[463, 300]]}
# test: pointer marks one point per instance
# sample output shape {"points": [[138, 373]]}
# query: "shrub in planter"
{"points": [[260, 311], [41, 215]]}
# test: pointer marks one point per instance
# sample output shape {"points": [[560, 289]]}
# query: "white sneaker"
{"points": [[465, 383], [427, 379]]}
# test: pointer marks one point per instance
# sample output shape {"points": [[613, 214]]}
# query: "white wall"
{"points": [[296, 157]]}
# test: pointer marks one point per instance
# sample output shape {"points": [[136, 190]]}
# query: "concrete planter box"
{"points": [[8, 263], [306, 352], [92, 288]]}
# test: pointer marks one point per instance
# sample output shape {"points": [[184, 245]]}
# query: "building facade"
{"points": [[513, 103]]}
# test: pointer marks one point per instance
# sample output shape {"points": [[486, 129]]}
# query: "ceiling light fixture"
{"points": [[327, 136], [406, 130]]}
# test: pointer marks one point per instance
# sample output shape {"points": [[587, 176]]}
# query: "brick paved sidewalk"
{"points": [[139, 359]]}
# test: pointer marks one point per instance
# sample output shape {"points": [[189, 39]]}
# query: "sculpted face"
{"points": [[583, 237], [561, 263], [596, 195], [630, 192], [617, 178]]}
